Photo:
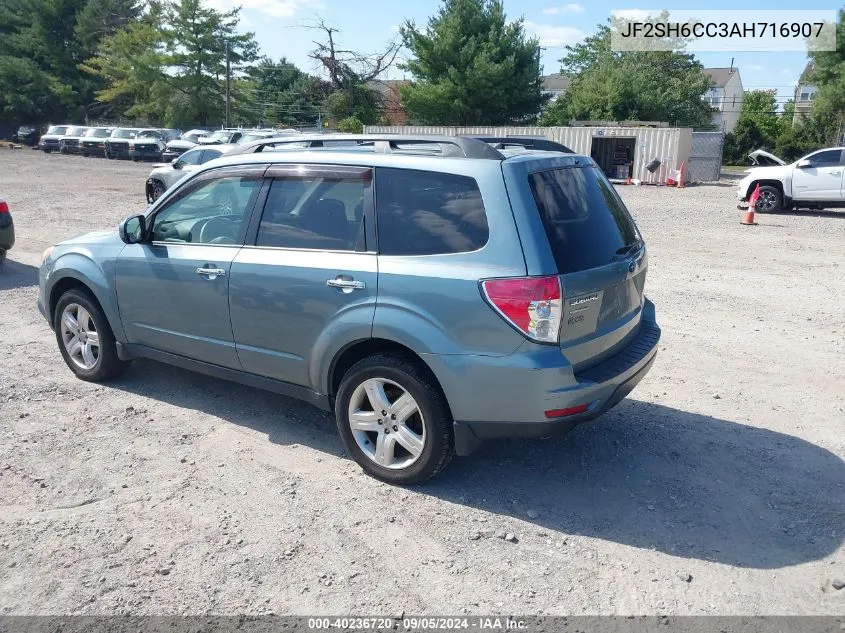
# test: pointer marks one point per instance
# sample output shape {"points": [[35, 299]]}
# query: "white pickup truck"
{"points": [[815, 181]]}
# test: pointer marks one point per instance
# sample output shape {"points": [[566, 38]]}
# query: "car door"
{"points": [[821, 178], [308, 275], [172, 289]]}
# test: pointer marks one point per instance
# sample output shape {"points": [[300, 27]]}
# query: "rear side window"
{"points": [[428, 213], [322, 210], [584, 218]]}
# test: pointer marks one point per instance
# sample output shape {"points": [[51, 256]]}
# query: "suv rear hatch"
{"points": [[596, 251]]}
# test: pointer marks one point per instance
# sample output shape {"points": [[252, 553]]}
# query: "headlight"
{"points": [[46, 253]]}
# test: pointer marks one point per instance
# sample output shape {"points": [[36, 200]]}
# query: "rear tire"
{"points": [[405, 440], [85, 339], [770, 200]]}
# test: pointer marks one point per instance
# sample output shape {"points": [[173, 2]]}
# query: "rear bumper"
{"points": [[512, 401]]}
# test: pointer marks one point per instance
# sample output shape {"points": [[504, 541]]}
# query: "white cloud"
{"points": [[273, 8], [754, 68], [567, 8], [555, 35], [634, 14]]}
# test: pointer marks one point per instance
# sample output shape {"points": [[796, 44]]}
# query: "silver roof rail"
{"points": [[449, 146]]}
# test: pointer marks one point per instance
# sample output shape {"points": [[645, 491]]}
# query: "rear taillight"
{"points": [[531, 304], [4, 207]]}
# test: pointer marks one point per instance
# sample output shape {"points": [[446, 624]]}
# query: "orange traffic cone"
{"points": [[748, 220], [683, 175], [628, 182]]}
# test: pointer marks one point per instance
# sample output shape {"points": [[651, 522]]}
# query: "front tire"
{"points": [[394, 419], [85, 338], [770, 200]]}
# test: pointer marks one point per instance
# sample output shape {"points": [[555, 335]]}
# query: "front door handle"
{"points": [[210, 272], [346, 285]]}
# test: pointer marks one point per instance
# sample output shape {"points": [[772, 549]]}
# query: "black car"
{"points": [[94, 141], [7, 230], [117, 145], [27, 135]]}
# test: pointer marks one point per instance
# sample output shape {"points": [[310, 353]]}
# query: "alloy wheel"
{"points": [[766, 201], [80, 336], [386, 423]]}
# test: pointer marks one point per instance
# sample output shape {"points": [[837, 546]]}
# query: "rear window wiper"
{"points": [[633, 247]]}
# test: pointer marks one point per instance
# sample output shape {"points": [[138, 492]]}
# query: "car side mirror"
{"points": [[133, 230], [804, 163], [176, 163]]}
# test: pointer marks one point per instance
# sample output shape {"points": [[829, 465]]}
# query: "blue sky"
{"points": [[366, 25]]}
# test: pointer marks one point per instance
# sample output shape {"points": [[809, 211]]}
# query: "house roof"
{"points": [[555, 82], [806, 74], [721, 76], [384, 86]]}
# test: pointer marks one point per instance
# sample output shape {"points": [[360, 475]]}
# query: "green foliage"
{"points": [[472, 66], [356, 102], [278, 93], [350, 124], [38, 60], [760, 106], [635, 85]]}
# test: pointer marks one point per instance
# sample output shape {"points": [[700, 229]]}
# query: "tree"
{"points": [[653, 85], [279, 92], [348, 74], [170, 66], [472, 66], [760, 106], [38, 61]]}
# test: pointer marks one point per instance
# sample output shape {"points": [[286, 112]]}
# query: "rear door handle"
{"points": [[347, 285], [210, 272]]}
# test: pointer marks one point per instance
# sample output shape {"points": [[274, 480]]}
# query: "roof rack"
{"points": [[527, 142], [450, 146]]}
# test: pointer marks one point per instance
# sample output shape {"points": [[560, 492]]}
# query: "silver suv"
{"points": [[432, 292]]}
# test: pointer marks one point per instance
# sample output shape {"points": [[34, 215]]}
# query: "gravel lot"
{"points": [[718, 487]]}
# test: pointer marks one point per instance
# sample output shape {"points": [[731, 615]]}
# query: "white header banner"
{"points": [[728, 31]]}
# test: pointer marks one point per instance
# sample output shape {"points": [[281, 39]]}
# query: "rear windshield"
{"points": [[585, 220]]}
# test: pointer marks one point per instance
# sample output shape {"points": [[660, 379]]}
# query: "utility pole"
{"points": [[228, 86]]}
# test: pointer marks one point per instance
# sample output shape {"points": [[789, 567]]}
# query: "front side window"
{"points": [[428, 213], [318, 209], [215, 211], [827, 158]]}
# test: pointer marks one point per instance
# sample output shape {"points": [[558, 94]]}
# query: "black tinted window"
{"points": [[828, 158], [318, 210], [584, 218], [428, 213]]}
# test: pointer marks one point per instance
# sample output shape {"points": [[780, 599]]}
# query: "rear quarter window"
{"points": [[428, 213], [585, 220]]}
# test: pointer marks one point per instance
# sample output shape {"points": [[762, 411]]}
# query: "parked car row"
{"points": [[154, 144]]}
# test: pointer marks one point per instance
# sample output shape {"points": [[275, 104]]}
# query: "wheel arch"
{"points": [[361, 349], [67, 278]]}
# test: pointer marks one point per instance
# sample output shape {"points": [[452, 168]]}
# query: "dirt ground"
{"points": [[718, 487]]}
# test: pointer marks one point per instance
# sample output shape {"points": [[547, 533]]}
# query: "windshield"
{"points": [[97, 133], [220, 135], [77, 131], [246, 138], [57, 129], [148, 134], [124, 133], [193, 135]]}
